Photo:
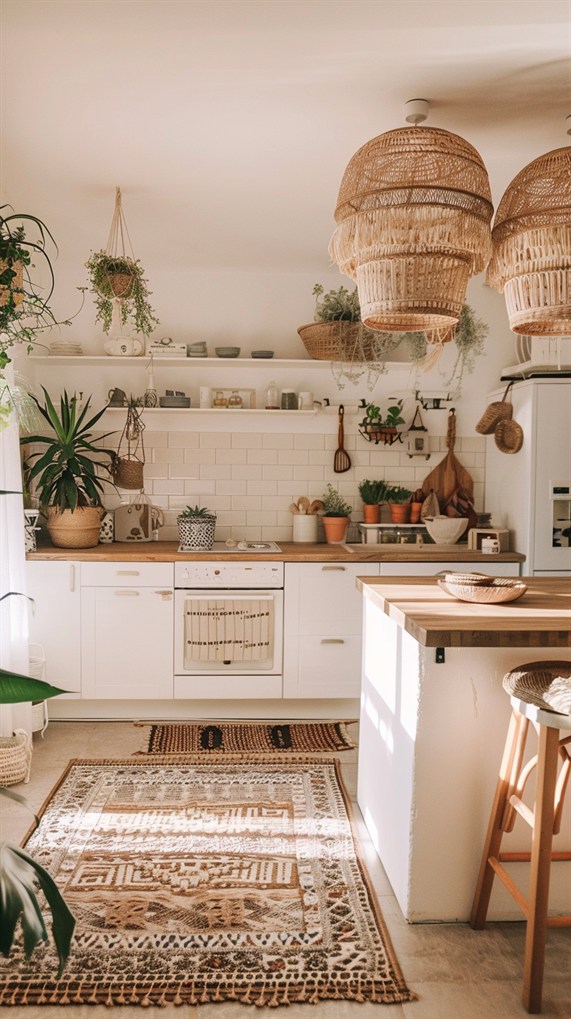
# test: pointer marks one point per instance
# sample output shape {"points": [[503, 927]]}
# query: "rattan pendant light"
{"points": [[531, 247], [413, 224]]}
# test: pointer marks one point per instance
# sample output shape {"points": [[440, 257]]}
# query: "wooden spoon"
{"points": [[316, 506], [303, 504], [293, 508], [341, 460]]}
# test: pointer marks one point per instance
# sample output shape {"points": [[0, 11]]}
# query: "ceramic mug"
{"points": [[123, 346], [305, 401]]}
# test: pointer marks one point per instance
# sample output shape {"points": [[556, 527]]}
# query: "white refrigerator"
{"points": [[529, 492]]}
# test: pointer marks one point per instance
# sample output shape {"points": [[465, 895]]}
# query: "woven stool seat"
{"points": [[540, 694], [547, 685]]}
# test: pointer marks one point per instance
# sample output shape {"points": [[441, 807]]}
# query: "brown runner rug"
{"points": [[206, 881], [248, 737]]}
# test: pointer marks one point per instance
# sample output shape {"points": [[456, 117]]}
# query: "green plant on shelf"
{"points": [[395, 494], [373, 493], [335, 505], [196, 511]]}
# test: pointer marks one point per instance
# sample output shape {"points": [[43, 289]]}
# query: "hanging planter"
{"points": [[117, 279], [129, 460], [378, 428]]}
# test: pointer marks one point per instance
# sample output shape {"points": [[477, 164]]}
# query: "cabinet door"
{"points": [[127, 645], [322, 629], [55, 620]]}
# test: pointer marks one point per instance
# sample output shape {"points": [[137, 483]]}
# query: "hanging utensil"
{"points": [[341, 460]]}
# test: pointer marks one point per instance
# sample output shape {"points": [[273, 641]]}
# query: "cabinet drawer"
{"points": [[325, 596], [127, 574], [329, 666]]}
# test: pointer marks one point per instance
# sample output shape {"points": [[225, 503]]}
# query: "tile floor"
{"points": [[455, 971]]}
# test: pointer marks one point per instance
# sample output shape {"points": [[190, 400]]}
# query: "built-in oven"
{"points": [[228, 629]]}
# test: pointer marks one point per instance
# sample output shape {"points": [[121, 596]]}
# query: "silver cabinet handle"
{"points": [[342, 568], [127, 573], [165, 595], [127, 593], [332, 640]]}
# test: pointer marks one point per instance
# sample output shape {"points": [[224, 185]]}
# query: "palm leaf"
{"points": [[15, 688]]}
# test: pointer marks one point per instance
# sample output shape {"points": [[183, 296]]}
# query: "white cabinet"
{"points": [[322, 629], [55, 619], [127, 630], [494, 568]]}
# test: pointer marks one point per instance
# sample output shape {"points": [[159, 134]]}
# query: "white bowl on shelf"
{"points": [[446, 530]]}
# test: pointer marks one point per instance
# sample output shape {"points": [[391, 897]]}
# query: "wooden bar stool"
{"points": [[540, 694]]}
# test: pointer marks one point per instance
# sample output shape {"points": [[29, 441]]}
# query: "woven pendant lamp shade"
{"points": [[531, 247], [413, 224]]}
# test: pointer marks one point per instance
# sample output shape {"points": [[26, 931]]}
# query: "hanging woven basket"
{"points": [[531, 247], [337, 341], [128, 472], [413, 224], [128, 464]]}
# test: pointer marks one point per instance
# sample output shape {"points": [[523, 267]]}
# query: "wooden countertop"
{"points": [[540, 618], [166, 551]]}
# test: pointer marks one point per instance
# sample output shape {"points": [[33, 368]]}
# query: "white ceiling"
{"points": [[228, 123]]}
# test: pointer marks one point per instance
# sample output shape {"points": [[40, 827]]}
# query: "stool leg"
{"points": [[511, 762], [542, 840]]}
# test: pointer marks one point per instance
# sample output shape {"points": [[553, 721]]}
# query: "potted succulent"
{"points": [[336, 516], [118, 281], [68, 473], [196, 526], [24, 305], [398, 499], [378, 427], [373, 493]]}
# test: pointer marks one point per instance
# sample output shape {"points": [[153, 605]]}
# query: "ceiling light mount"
{"points": [[416, 110]]}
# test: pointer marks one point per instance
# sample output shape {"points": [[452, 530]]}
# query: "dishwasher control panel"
{"points": [[225, 574]]}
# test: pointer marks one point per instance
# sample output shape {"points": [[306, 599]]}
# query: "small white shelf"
{"points": [[89, 360], [218, 410]]}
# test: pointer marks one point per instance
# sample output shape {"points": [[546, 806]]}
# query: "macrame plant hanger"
{"points": [[128, 469], [121, 283]]}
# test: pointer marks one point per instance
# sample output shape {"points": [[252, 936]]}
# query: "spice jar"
{"points": [[289, 399], [234, 400], [219, 399], [272, 397]]}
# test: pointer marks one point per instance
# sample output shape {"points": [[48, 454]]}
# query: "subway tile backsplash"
{"points": [[250, 478]]}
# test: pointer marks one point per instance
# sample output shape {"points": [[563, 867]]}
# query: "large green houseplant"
{"points": [[69, 473], [24, 304], [19, 872]]}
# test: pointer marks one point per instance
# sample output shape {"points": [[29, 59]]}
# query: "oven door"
{"points": [[228, 632]]}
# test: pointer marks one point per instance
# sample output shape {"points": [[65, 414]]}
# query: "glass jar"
{"points": [[289, 399], [219, 399], [234, 400], [272, 397]]}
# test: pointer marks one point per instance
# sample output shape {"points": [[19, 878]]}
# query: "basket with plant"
{"points": [[196, 526], [337, 333]]}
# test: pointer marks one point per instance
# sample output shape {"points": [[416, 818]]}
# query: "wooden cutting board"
{"points": [[449, 474]]}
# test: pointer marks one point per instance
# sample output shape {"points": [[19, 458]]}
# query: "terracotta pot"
{"points": [[335, 529], [371, 513], [415, 508], [400, 512]]}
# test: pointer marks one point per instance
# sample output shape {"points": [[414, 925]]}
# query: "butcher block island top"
{"points": [[540, 618], [167, 551]]}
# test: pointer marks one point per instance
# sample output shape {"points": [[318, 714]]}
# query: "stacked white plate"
{"points": [[65, 348]]}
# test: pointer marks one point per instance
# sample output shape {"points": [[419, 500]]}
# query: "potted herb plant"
{"points": [[398, 499], [337, 332], [378, 427], [119, 281], [24, 304], [373, 493], [336, 516], [196, 526], [69, 472]]}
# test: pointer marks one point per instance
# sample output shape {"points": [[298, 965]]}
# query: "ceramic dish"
{"points": [[499, 589], [262, 353], [227, 351], [174, 401]]}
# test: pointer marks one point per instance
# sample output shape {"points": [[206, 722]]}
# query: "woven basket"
{"points": [[339, 341], [531, 247], [15, 758], [497, 411], [120, 283], [196, 533], [499, 589], [77, 529], [128, 472], [508, 436], [413, 223]]}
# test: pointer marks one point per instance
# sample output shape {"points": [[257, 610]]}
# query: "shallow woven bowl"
{"points": [[446, 530], [499, 589]]}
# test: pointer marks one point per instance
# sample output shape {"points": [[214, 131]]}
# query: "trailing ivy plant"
{"points": [[134, 302]]}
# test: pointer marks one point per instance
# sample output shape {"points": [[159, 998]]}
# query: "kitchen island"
{"points": [[433, 721]]}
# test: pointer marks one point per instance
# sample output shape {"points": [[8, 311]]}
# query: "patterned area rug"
{"points": [[248, 737], [197, 882]]}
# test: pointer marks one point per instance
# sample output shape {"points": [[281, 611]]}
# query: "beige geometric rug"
{"points": [[204, 881], [248, 737]]}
